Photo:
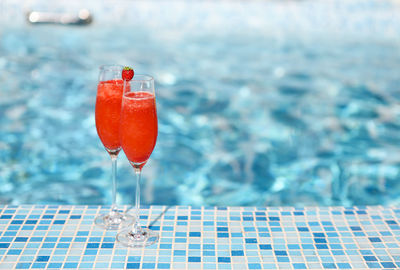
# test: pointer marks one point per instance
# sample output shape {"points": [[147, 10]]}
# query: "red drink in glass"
{"points": [[138, 135], [108, 110], [138, 126]]}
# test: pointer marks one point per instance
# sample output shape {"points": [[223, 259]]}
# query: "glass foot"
{"points": [[142, 239], [114, 222]]}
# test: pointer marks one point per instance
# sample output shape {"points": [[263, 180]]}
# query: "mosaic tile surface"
{"points": [[54, 237]]}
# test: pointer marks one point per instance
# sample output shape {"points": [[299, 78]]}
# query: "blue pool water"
{"points": [[259, 102]]}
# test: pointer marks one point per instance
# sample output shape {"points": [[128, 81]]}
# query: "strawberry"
{"points": [[127, 73]]}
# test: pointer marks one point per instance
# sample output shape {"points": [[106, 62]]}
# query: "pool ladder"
{"points": [[83, 17]]}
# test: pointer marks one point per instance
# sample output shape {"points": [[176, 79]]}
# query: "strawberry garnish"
{"points": [[127, 73]]}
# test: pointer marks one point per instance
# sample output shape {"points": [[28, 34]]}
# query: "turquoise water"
{"points": [[259, 103]]}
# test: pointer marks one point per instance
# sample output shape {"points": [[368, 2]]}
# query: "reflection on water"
{"points": [[247, 116]]}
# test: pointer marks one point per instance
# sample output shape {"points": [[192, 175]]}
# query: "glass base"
{"points": [[142, 239], [116, 221]]}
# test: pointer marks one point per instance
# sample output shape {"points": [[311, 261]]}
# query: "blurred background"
{"points": [[260, 102]]}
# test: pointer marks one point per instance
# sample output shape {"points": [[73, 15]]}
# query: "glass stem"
{"points": [[114, 208], [136, 225]]}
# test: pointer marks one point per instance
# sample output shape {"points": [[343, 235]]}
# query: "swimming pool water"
{"points": [[259, 102]]}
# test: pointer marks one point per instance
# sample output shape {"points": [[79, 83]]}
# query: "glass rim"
{"points": [[142, 78], [139, 78], [111, 66]]}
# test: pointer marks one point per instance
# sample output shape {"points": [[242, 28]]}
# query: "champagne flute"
{"points": [[138, 136], [108, 109]]}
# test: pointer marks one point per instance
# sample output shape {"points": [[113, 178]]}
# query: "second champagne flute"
{"points": [[108, 109], [138, 136]]}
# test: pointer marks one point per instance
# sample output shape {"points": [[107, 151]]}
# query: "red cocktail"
{"points": [[138, 126], [108, 110], [138, 136]]}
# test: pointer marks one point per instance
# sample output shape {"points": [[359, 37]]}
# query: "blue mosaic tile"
{"points": [[203, 238]]}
